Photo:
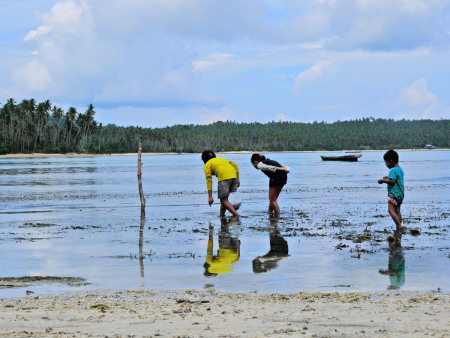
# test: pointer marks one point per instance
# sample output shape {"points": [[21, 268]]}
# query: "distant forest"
{"points": [[32, 127]]}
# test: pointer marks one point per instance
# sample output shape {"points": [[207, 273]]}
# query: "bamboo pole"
{"points": [[141, 194], [141, 240], [139, 174]]}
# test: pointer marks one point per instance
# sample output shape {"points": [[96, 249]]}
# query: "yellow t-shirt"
{"points": [[221, 168], [222, 262]]}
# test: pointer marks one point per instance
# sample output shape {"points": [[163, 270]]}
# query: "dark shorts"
{"points": [[228, 242], [225, 187]]}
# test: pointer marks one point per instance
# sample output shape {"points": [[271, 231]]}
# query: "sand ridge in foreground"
{"points": [[211, 314]]}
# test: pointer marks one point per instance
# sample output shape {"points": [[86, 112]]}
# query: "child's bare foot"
{"points": [[402, 228]]}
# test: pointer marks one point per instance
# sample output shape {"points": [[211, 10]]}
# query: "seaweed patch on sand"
{"points": [[21, 282]]}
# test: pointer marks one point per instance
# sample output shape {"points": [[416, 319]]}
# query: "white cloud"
{"points": [[311, 74], [88, 59], [213, 60], [42, 30], [311, 45], [210, 115], [34, 76], [282, 117], [66, 13], [417, 94], [416, 101], [378, 24], [219, 59]]}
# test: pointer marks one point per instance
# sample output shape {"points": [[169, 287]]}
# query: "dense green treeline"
{"points": [[38, 127], [29, 126]]}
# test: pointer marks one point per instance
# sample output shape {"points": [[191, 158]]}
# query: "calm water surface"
{"points": [[80, 217]]}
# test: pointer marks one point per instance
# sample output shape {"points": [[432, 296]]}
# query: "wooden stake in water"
{"points": [[139, 174], [141, 242]]}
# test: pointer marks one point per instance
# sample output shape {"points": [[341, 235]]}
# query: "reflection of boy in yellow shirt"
{"points": [[228, 253], [227, 173]]}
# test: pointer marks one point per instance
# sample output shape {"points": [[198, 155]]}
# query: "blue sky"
{"points": [[155, 63]]}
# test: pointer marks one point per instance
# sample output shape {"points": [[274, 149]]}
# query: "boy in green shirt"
{"points": [[395, 187]]}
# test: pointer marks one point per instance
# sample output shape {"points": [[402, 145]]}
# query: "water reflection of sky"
{"points": [[80, 217]]}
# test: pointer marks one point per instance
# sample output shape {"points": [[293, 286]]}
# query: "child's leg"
{"points": [[274, 192], [275, 207], [270, 208], [226, 205], [394, 211], [222, 209]]}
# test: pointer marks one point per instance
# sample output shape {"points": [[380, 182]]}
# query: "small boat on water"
{"points": [[348, 158]]}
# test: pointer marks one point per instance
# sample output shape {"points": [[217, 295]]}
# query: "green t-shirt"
{"points": [[397, 189], [397, 264]]}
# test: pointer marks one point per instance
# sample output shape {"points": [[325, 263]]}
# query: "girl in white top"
{"points": [[277, 178]]}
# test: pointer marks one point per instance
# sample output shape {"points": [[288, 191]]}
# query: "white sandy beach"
{"points": [[214, 314]]}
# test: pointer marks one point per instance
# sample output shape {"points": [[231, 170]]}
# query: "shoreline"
{"points": [[37, 155], [211, 313]]}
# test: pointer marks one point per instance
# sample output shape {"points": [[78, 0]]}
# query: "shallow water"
{"points": [[80, 217]]}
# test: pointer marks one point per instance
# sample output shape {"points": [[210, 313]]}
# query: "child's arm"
{"points": [[209, 248], [209, 251], [386, 180], [210, 197], [208, 176], [272, 168], [266, 167], [211, 232], [237, 172]]}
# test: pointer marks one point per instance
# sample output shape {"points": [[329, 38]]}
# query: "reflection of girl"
{"points": [[278, 249], [277, 178]]}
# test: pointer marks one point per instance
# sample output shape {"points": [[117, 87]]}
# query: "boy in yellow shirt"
{"points": [[227, 173]]}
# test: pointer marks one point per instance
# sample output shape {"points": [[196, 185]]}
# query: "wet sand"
{"points": [[211, 314]]}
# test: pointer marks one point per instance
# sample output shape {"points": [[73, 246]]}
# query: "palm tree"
{"points": [[87, 124], [42, 123], [28, 109], [57, 114], [69, 124]]}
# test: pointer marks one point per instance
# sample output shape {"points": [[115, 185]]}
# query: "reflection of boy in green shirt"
{"points": [[228, 253], [396, 265]]}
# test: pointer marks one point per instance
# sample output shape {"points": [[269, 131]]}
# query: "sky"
{"points": [[156, 63]]}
